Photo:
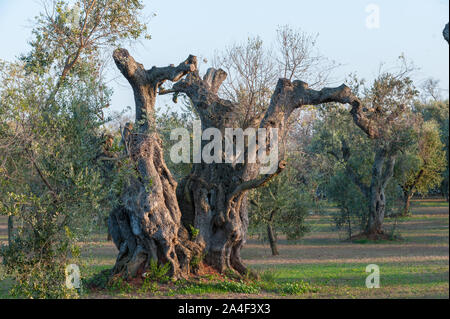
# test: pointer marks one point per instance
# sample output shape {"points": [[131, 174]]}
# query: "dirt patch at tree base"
{"points": [[375, 237]]}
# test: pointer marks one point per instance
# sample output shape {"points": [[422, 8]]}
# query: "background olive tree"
{"points": [[280, 208], [367, 157], [419, 168], [51, 113]]}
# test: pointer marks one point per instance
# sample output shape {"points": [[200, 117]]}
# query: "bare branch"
{"points": [[172, 73], [214, 78], [134, 72]]}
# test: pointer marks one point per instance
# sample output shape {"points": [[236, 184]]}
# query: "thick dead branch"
{"points": [[445, 33]]}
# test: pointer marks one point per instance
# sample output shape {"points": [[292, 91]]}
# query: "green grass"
{"points": [[429, 203], [321, 265]]}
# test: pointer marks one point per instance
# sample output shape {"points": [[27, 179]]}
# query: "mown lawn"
{"points": [[321, 265]]}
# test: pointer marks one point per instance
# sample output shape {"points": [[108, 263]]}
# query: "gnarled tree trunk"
{"points": [[382, 171], [213, 197], [152, 222], [147, 226]]}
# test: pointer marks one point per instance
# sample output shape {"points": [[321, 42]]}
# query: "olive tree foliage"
{"points": [[343, 158], [391, 128], [437, 110], [419, 168], [51, 183], [335, 139], [279, 208], [51, 113]]}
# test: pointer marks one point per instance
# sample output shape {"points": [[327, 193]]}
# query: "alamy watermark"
{"points": [[228, 149], [73, 277], [373, 280], [373, 19]]}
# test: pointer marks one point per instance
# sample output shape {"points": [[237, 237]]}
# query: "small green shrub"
{"points": [[194, 232], [149, 286], [239, 287], [157, 273], [196, 261], [268, 276], [99, 280], [118, 284], [296, 288]]}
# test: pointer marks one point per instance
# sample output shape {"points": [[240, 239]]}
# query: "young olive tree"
{"points": [[419, 168], [437, 110], [279, 207]]}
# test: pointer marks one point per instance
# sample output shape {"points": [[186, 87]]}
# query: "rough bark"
{"points": [[152, 222], [212, 198], [271, 235], [382, 171], [445, 33], [148, 223]]}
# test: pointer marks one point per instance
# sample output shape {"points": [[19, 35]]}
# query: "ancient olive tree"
{"points": [[155, 214], [389, 126]]}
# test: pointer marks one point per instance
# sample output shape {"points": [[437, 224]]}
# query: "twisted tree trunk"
{"points": [[213, 197], [383, 170], [152, 222], [148, 223]]}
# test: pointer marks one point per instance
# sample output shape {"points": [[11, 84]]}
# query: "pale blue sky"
{"points": [[412, 27]]}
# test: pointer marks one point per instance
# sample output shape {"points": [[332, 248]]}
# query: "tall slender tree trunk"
{"points": [[349, 224], [406, 211], [272, 240], [10, 229]]}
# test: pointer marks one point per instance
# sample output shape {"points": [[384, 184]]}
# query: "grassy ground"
{"points": [[321, 265]]}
